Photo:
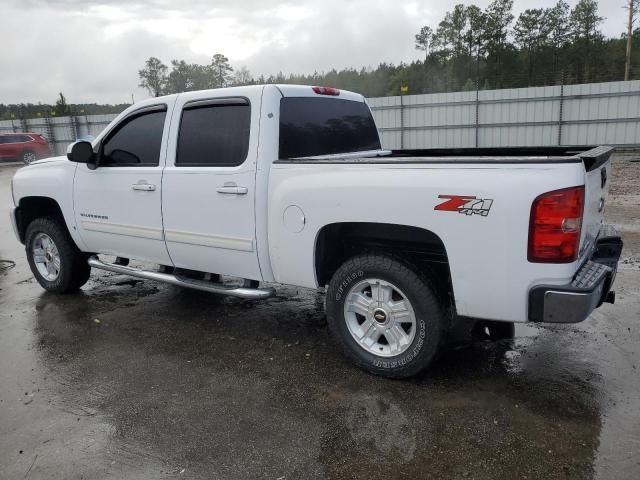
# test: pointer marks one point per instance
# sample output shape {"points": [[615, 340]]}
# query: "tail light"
{"points": [[555, 225], [326, 91]]}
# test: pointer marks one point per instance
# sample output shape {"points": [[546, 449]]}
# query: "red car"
{"points": [[25, 147]]}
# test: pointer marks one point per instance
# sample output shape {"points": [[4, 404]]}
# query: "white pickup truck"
{"points": [[289, 184]]}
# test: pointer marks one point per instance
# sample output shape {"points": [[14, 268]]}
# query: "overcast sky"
{"points": [[92, 50]]}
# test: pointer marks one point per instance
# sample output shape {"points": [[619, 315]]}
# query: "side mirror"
{"points": [[81, 152]]}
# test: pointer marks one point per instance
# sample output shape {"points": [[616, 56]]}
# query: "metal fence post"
{"points": [[561, 110], [50, 134], [401, 122], [23, 124], [477, 113], [75, 128]]}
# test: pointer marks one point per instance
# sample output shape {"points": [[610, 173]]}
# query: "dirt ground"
{"points": [[623, 208], [136, 380]]}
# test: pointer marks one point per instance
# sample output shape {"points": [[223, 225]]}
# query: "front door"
{"points": [[118, 205], [208, 198]]}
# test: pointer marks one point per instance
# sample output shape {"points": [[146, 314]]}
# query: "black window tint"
{"points": [[136, 142], [23, 138], [322, 126], [214, 135]]}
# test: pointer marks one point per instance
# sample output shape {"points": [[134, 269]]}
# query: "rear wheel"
{"points": [[55, 260], [28, 156], [385, 315]]}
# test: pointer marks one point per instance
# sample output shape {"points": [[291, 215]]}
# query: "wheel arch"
{"points": [[416, 246], [32, 207]]}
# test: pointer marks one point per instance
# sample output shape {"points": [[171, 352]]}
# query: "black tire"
{"points": [[417, 288], [74, 270], [28, 156]]}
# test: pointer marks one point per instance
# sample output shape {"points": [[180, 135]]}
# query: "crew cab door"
{"points": [[208, 198], [118, 204]]}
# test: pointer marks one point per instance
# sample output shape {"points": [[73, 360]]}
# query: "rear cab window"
{"points": [[311, 126]]}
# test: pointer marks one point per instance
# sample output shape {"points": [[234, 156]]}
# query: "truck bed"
{"points": [[591, 156]]}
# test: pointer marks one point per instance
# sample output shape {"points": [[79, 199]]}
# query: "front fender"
{"points": [[51, 179]]}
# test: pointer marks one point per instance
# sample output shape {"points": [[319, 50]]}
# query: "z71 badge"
{"points": [[465, 204]]}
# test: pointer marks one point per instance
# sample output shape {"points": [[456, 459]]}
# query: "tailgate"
{"points": [[598, 168]]}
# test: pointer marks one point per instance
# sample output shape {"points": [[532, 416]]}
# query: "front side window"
{"points": [[323, 126], [214, 135], [135, 142]]}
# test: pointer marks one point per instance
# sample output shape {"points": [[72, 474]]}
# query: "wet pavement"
{"points": [[136, 380]]}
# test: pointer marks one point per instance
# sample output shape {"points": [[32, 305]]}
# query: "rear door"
{"points": [[118, 204], [208, 199]]}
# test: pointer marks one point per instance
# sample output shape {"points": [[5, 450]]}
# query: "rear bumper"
{"points": [[590, 287]]}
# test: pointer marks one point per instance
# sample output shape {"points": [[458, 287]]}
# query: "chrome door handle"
{"points": [[232, 190], [145, 187]]}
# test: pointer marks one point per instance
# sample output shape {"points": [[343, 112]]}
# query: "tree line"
{"points": [[468, 49], [16, 111]]}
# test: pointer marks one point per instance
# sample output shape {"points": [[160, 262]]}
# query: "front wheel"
{"points": [[55, 260], [385, 315]]}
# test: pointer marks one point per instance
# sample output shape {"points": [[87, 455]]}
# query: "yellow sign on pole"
{"points": [[404, 88]]}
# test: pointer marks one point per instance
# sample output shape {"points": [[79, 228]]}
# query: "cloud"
{"points": [[92, 51]]}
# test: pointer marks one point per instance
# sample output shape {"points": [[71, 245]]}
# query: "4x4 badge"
{"points": [[469, 205]]}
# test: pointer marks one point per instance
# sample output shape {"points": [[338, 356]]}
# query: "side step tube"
{"points": [[242, 292]]}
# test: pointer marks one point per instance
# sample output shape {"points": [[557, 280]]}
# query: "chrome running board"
{"points": [[242, 292]]}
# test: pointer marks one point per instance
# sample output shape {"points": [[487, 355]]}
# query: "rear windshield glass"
{"points": [[323, 126]]}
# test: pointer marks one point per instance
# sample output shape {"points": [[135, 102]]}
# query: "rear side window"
{"points": [[14, 138], [136, 142], [215, 135], [323, 126], [17, 139]]}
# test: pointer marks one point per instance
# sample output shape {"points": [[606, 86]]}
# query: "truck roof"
{"points": [[286, 90]]}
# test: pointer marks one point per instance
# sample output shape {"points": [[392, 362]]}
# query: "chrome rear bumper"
{"points": [[590, 287]]}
